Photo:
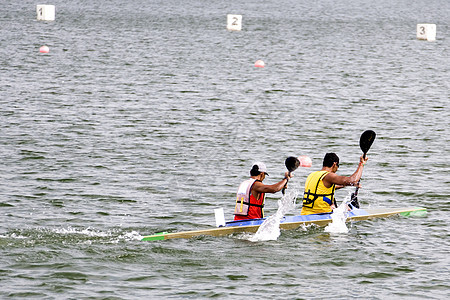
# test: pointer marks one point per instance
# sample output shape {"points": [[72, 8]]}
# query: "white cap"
{"points": [[261, 167]]}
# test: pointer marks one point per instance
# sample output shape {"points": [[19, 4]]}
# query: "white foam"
{"points": [[338, 217], [87, 231], [14, 236], [131, 236], [126, 236], [270, 228]]}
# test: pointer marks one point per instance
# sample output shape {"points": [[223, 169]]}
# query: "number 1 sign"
{"points": [[45, 12]]}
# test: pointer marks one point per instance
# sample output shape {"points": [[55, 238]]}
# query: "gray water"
{"points": [[146, 115]]}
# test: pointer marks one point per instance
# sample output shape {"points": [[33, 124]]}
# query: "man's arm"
{"points": [[333, 178], [272, 188]]}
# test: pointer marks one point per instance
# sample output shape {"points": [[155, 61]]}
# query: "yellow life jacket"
{"points": [[317, 198]]}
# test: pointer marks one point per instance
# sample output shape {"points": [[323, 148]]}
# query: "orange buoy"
{"points": [[305, 161], [44, 49], [259, 64]]}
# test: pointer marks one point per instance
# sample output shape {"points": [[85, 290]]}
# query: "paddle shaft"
{"points": [[365, 142], [357, 188], [284, 188]]}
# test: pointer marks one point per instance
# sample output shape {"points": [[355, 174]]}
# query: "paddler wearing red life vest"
{"points": [[252, 193], [320, 185]]}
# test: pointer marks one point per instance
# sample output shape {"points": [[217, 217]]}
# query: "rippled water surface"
{"points": [[146, 115]]}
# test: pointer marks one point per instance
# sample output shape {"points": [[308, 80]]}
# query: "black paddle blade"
{"points": [[366, 140], [292, 163]]}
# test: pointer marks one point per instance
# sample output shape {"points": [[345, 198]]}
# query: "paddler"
{"points": [[320, 185], [252, 193]]}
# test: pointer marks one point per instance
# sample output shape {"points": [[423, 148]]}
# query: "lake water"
{"points": [[146, 115]]}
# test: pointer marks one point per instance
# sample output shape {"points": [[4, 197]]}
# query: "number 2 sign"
{"points": [[234, 22]]}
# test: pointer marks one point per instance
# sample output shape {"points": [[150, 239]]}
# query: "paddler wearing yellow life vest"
{"points": [[252, 193], [320, 185]]}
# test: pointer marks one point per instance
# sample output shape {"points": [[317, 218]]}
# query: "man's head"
{"points": [[330, 159], [258, 168]]}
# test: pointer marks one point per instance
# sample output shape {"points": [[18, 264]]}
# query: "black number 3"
{"points": [[422, 30]]}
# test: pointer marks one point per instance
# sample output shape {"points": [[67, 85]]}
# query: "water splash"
{"points": [[89, 232], [70, 235], [129, 236], [112, 236], [338, 217], [270, 228]]}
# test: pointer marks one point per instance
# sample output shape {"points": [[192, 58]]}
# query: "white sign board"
{"points": [[426, 32], [234, 22], [45, 12]]}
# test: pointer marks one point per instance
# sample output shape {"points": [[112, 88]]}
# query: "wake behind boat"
{"points": [[289, 222]]}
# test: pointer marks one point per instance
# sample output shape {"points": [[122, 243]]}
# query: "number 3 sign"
{"points": [[426, 32]]}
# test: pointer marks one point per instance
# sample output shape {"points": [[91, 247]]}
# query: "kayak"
{"points": [[289, 222]]}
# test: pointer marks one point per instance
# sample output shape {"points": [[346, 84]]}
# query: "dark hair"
{"points": [[330, 159], [255, 171]]}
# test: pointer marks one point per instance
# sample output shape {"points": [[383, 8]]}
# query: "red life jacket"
{"points": [[247, 206]]}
